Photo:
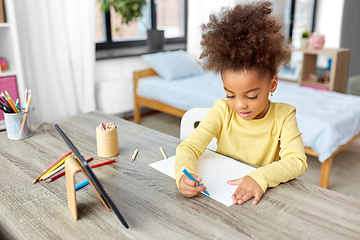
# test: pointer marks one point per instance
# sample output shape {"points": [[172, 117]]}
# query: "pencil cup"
{"points": [[16, 127], [107, 143]]}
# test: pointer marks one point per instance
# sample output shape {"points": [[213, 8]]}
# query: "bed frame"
{"points": [[161, 107]]}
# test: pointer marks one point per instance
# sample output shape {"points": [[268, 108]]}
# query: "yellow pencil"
{"points": [[26, 111], [56, 166]]}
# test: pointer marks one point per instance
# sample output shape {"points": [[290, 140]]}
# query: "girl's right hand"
{"points": [[190, 188]]}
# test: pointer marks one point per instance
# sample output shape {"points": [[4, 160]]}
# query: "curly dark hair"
{"points": [[246, 37]]}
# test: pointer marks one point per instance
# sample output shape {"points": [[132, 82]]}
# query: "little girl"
{"points": [[246, 46]]}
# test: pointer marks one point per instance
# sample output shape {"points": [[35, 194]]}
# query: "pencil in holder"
{"points": [[18, 125], [107, 143]]}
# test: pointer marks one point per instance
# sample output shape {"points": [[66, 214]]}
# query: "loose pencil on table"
{"points": [[134, 155], [163, 153]]}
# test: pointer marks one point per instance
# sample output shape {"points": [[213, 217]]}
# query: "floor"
{"points": [[344, 178]]}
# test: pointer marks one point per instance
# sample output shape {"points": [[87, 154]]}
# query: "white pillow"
{"points": [[173, 64]]}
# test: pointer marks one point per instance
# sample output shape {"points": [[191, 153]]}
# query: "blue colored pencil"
{"points": [[192, 178], [80, 185]]}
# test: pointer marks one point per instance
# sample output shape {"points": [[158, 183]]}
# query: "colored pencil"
{"points": [[135, 154], [56, 171], [8, 103], [55, 167], [26, 111], [102, 163], [81, 185], [56, 176], [5, 102], [86, 182], [92, 166], [17, 104], [192, 178], [26, 96], [37, 179], [69, 152], [12, 102], [4, 106], [63, 173], [162, 153]]}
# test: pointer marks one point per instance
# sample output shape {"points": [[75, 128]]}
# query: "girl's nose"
{"points": [[241, 105]]}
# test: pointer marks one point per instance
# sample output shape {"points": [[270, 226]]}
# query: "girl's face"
{"points": [[247, 93]]}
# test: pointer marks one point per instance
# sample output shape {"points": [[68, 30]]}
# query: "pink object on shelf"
{"points": [[3, 64], [316, 41], [315, 87]]}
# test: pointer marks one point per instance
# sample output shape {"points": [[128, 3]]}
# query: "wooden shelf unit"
{"points": [[10, 50], [338, 72]]}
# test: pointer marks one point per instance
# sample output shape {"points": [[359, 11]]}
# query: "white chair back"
{"points": [[189, 122]]}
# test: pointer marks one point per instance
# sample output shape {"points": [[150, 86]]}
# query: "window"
{"points": [[167, 15], [171, 18], [299, 16]]}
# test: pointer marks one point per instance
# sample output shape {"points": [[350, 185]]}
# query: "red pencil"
{"points": [[103, 163], [63, 172], [57, 161]]}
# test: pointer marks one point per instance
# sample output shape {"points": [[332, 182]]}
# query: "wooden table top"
{"points": [[148, 199]]}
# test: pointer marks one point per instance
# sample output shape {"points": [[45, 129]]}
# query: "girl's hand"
{"points": [[248, 188], [190, 188]]}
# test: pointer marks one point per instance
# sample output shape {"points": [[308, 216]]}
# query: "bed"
{"points": [[329, 121]]}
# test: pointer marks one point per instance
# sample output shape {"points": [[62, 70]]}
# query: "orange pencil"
{"points": [[12, 102]]}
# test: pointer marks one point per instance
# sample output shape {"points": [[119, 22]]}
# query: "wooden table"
{"points": [[148, 199]]}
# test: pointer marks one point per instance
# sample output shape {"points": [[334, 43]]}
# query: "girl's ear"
{"points": [[273, 84]]}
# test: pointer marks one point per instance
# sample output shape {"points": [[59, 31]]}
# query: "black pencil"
{"points": [[4, 108], [5, 103]]}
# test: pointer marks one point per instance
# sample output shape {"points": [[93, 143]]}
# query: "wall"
{"points": [[114, 83], [328, 21], [196, 18], [338, 20], [350, 34], [328, 18]]}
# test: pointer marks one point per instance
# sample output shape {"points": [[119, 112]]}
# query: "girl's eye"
{"points": [[227, 96], [253, 97]]}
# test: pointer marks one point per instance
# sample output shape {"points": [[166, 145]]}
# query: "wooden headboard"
{"points": [[149, 103]]}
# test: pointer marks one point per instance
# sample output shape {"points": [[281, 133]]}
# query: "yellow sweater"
{"points": [[273, 143]]}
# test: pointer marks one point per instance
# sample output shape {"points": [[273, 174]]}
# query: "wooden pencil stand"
{"points": [[71, 168]]}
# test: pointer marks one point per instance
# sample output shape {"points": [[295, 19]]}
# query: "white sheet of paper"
{"points": [[215, 170]]}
